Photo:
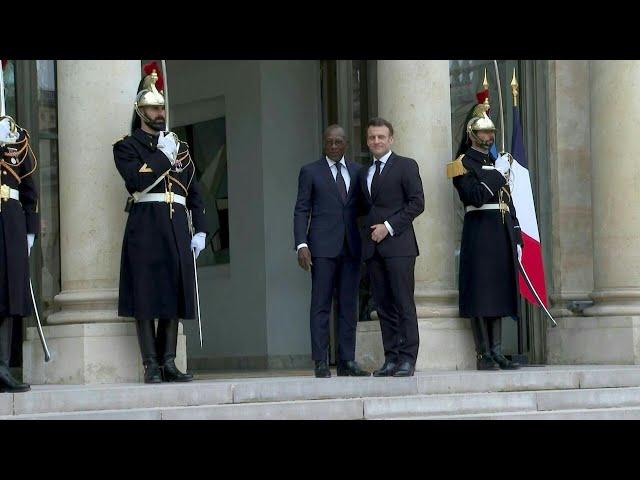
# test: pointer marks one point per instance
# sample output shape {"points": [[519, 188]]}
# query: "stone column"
{"points": [[611, 334], [415, 97], [89, 343], [571, 214], [570, 181]]}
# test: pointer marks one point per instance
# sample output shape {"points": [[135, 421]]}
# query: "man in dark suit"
{"points": [[392, 188], [329, 245]]}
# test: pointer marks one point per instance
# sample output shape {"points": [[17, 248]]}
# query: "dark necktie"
{"points": [[376, 177], [342, 187]]}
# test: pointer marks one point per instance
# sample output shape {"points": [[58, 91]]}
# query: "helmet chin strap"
{"points": [[479, 142], [147, 120]]}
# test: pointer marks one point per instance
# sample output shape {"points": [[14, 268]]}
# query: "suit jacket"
{"points": [[321, 219], [399, 199]]}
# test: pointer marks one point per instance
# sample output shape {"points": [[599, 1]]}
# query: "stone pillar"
{"points": [[415, 97], [571, 213], [89, 343], [611, 334], [570, 184]]}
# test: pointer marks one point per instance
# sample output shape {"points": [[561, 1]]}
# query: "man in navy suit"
{"points": [[393, 192], [328, 242]]}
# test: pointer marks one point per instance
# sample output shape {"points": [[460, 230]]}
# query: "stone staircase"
{"points": [[557, 392]]}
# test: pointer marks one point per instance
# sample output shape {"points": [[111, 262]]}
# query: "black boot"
{"points": [[321, 369], [147, 342], [8, 384], [167, 344], [494, 326], [484, 360]]}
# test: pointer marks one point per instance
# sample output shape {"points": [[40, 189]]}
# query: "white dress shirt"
{"points": [[343, 169], [370, 173], [334, 172]]}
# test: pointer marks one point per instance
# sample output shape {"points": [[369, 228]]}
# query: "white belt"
{"points": [[168, 197], [6, 193], [488, 206]]}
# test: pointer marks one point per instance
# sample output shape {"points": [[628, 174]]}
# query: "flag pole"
{"points": [[495, 65], [166, 92], [514, 88]]}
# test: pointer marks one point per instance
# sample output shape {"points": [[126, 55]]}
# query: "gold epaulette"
{"points": [[456, 168], [119, 139]]}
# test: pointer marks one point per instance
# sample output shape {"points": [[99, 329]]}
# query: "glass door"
{"points": [[349, 98], [34, 104]]}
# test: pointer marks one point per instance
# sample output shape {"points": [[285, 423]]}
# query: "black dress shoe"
{"points": [[351, 369], [170, 373], [152, 373], [505, 363], [486, 362], [8, 384], [387, 370], [322, 369], [406, 369]]}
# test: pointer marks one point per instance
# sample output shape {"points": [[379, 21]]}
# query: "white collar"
{"points": [[384, 158], [332, 163]]}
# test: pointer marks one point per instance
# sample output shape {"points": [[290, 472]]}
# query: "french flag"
{"points": [[522, 195]]}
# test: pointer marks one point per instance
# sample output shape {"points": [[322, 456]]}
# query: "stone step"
{"points": [[203, 393], [423, 405], [619, 413], [487, 406], [120, 397], [618, 403], [412, 406], [500, 402], [438, 382], [346, 409]]}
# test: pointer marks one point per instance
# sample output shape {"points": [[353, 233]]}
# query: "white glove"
{"points": [[502, 164], [197, 242], [519, 252], [30, 239], [5, 132], [168, 146]]}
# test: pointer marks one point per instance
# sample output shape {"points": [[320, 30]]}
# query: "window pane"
{"points": [[48, 173], [207, 142], [10, 88], [466, 78]]}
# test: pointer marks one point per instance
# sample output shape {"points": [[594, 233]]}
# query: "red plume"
{"points": [[148, 70], [482, 96], [4, 63]]}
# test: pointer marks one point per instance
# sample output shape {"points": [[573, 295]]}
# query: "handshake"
{"points": [[168, 143]]}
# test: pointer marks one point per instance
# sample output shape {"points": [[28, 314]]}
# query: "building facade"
{"points": [[251, 125]]}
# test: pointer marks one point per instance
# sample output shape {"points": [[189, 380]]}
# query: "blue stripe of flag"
{"points": [[517, 144]]}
